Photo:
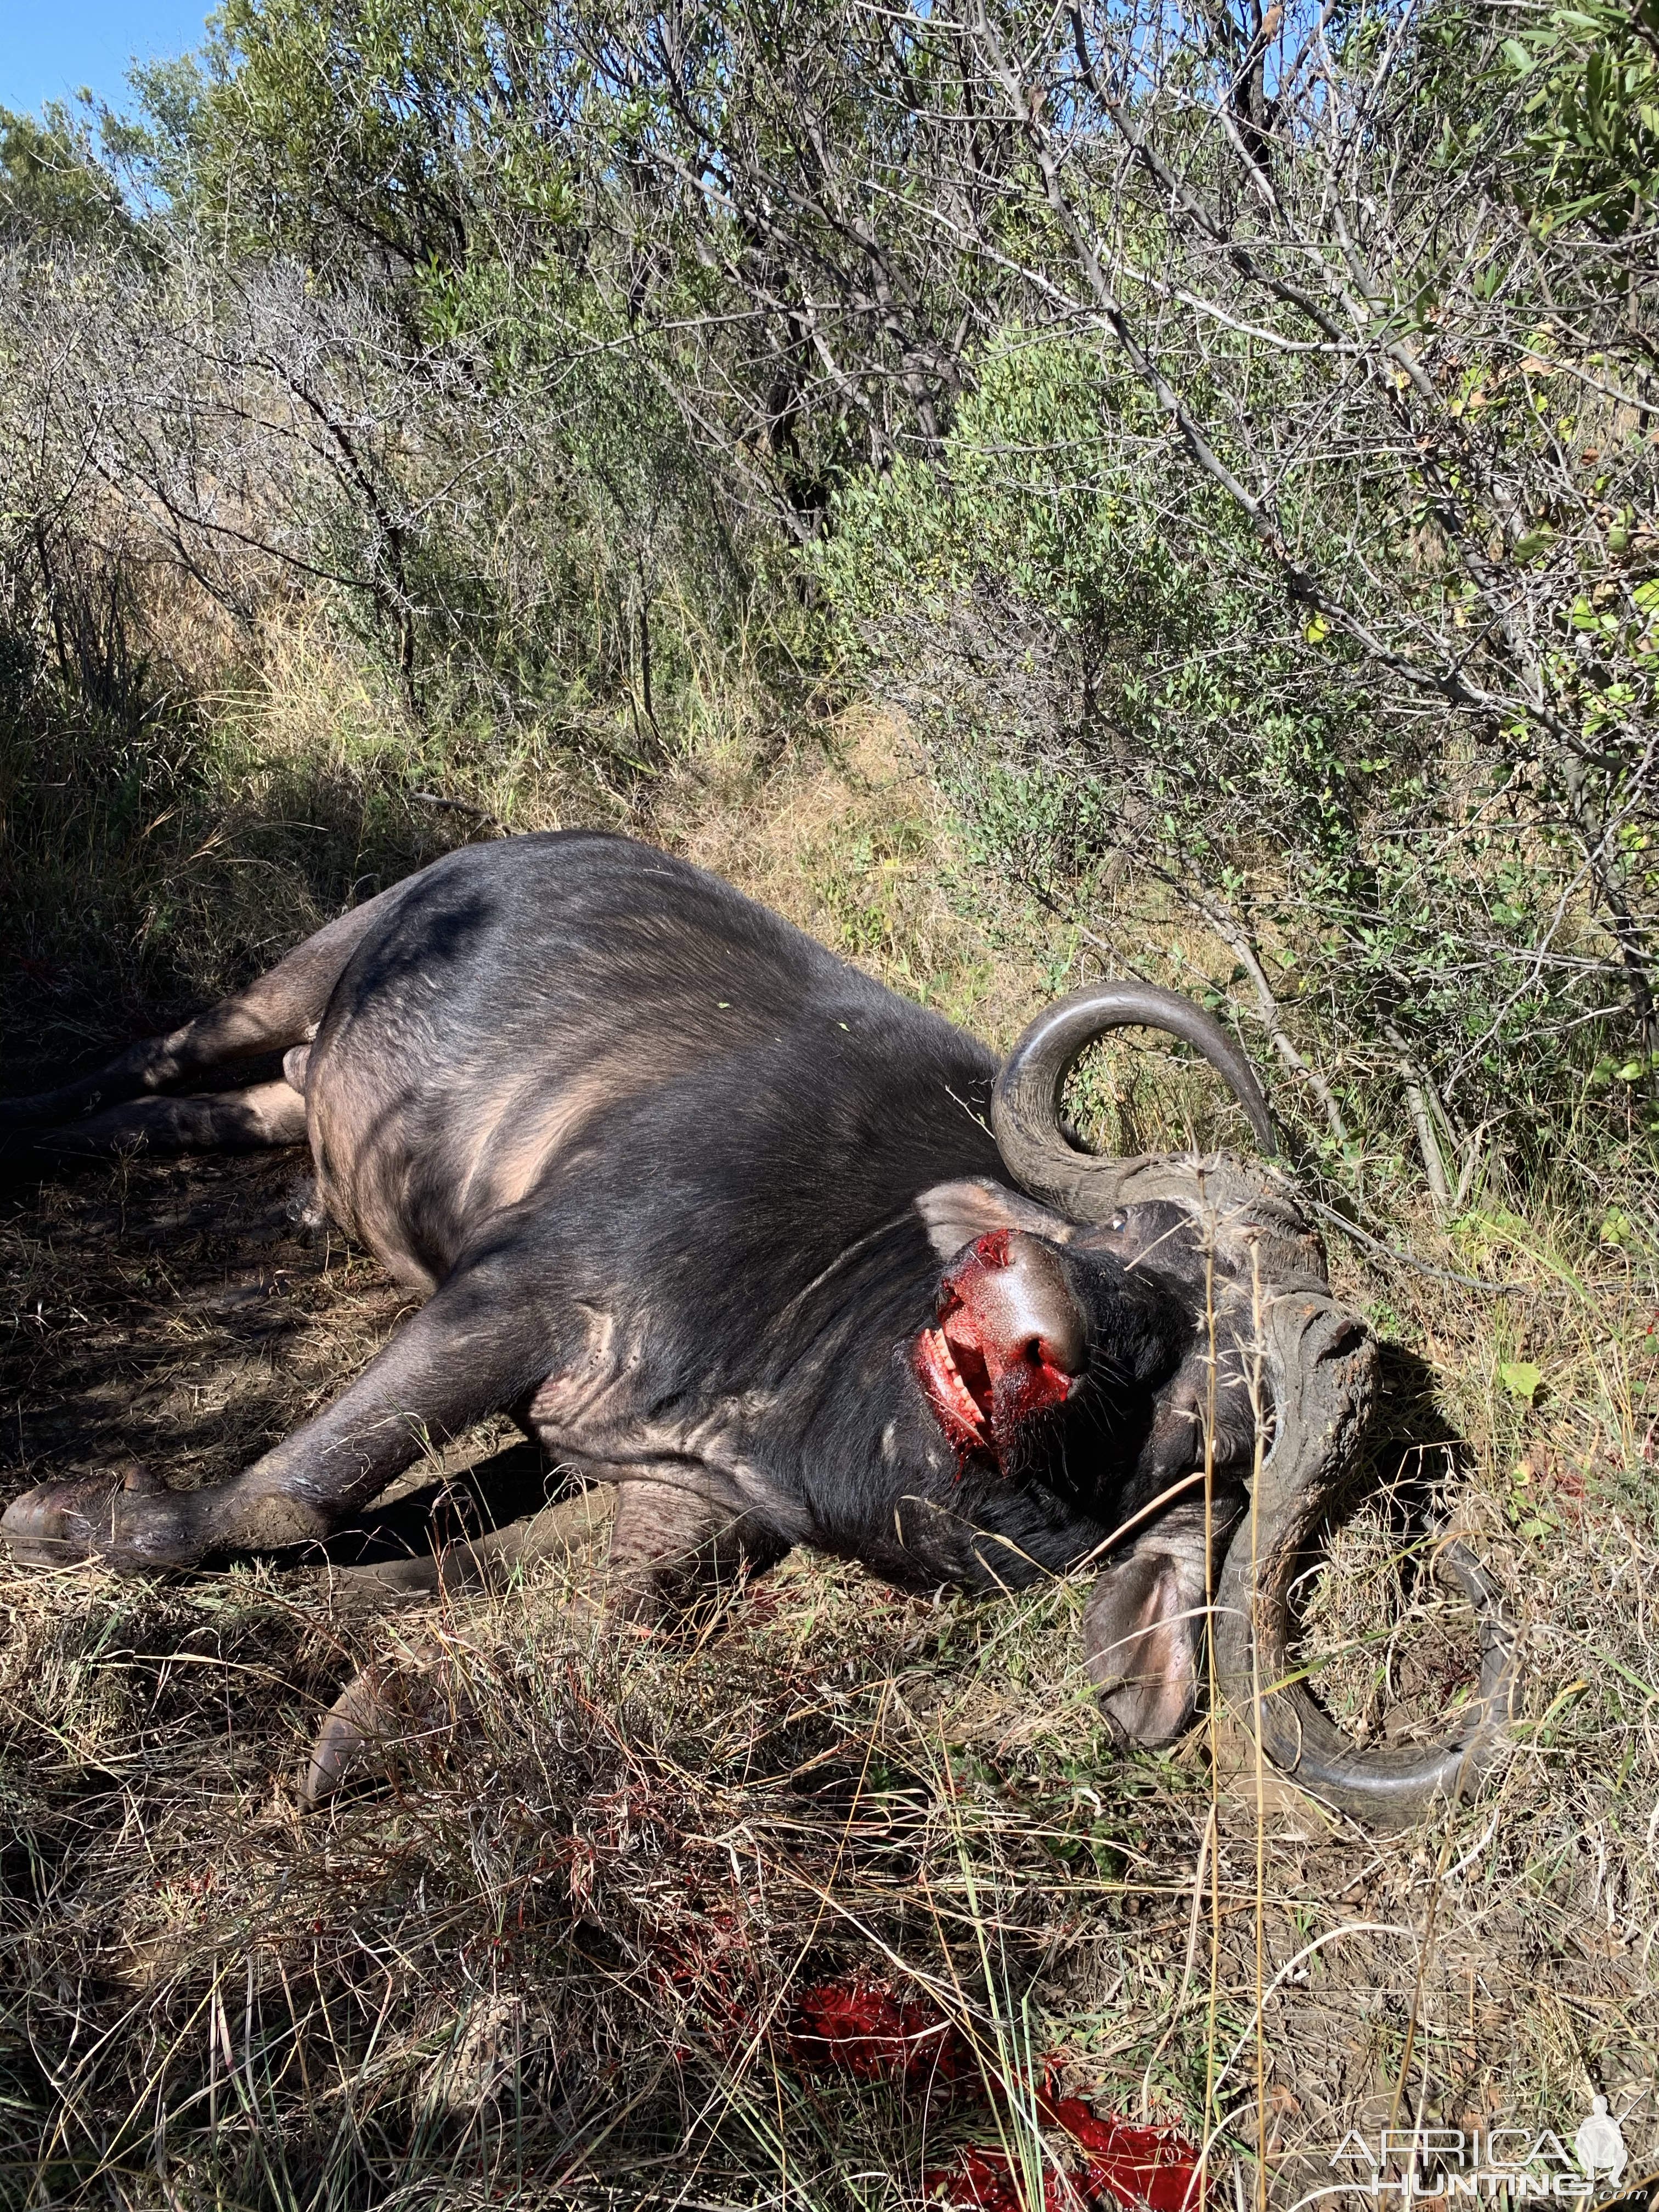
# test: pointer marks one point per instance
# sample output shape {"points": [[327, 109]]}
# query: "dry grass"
{"points": [[559, 1963]]}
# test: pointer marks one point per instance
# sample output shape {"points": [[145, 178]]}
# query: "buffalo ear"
{"points": [[958, 1212], [1141, 1632]]}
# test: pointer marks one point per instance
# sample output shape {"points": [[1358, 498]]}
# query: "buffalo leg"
{"points": [[282, 1009], [389, 1707], [225, 1122], [666, 1550], [670, 1550], [474, 1348]]}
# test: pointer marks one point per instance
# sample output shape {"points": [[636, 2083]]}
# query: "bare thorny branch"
{"points": [[1360, 397]]}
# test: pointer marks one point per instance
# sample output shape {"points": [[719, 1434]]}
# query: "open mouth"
{"points": [[964, 1413]]}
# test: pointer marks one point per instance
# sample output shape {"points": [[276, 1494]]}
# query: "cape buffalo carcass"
{"points": [[724, 1221]]}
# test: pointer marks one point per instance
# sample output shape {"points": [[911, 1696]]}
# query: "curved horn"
{"points": [[1320, 1365], [1319, 1375], [1025, 1105]]}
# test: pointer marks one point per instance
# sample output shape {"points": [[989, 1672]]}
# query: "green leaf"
{"points": [[1520, 1379]]}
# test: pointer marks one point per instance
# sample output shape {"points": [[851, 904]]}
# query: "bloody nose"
{"points": [[1015, 1331]]}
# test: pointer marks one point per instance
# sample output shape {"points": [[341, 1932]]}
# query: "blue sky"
{"points": [[49, 48]]}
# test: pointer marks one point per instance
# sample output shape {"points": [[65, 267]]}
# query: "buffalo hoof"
{"points": [[130, 1520], [383, 1716]]}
